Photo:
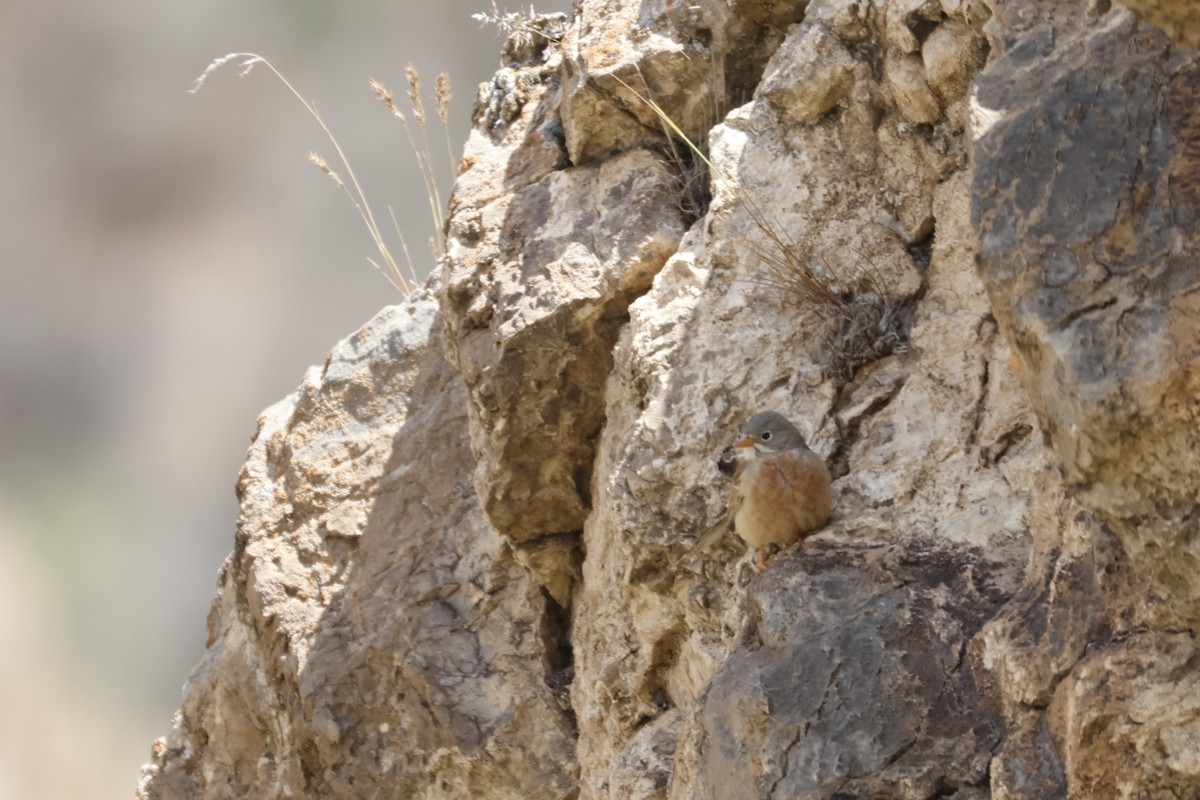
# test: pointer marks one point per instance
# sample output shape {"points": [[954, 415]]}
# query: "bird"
{"points": [[781, 488]]}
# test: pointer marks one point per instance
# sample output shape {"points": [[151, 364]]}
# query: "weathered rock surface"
{"points": [[538, 285], [1180, 19], [459, 569], [1128, 719], [1087, 209], [855, 684], [538, 282], [691, 58], [1087, 173], [935, 443], [354, 647]]}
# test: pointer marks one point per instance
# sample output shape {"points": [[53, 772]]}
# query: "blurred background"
{"points": [[169, 266]]}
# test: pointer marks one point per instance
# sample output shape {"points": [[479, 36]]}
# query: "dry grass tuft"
{"points": [[786, 264], [863, 322], [692, 165], [422, 152], [693, 183], [403, 280], [524, 30], [866, 328]]}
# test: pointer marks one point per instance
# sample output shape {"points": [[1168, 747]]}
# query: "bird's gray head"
{"points": [[768, 432]]}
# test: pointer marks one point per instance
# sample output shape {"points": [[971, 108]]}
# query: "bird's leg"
{"points": [[762, 560]]}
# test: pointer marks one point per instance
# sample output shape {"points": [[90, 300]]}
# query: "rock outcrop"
{"points": [[458, 569], [1086, 202], [352, 647]]}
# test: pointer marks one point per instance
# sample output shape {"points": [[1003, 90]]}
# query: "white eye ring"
{"points": [[766, 435]]}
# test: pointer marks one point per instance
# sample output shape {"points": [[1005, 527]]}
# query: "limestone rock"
{"points": [[691, 58], [854, 683], [537, 286], [542, 263], [812, 73], [1078, 594], [372, 636], [517, 138], [906, 78], [952, 53], [1128, 719], [643, 769], [1088, 227], [907, 22], [1084, 203], [622, 48], [936, 454]]}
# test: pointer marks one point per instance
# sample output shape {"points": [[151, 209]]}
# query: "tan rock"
{"points": [[1085, 212], [694, 59], [811, 74], [952, 54], [905, 75], [1102, 325], [907, 22], [371, 635], [516, 140], [1128, 720], [643, 770], [1179, 18], [537, 286], [704, 348]]}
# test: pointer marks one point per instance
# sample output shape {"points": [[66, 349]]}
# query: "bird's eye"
{"points": [[766, 435]]}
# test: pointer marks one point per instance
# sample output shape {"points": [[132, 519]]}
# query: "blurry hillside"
{"points": [[169, 265]]}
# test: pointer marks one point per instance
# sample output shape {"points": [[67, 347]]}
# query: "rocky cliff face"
{"points": [[457, 570]]}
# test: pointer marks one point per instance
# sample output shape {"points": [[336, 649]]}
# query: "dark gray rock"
{"points": [[1086, 203], [851, 680]]}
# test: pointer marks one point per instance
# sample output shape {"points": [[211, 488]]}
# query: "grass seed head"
{"points": [[414, 93], [443, 96]]}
